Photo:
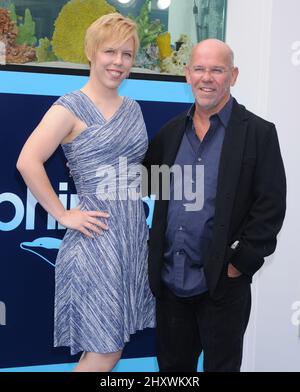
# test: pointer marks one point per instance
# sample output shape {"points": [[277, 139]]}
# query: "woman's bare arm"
{"points": [[55, 126]]}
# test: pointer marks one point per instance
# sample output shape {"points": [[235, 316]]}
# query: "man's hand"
{"points": [[232, 272]]}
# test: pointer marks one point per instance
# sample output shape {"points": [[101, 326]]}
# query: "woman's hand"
{"points": [[84, 221]]}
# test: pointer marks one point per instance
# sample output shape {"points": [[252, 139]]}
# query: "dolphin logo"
{"points": [[42, 242]]}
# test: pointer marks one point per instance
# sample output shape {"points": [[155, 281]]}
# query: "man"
{"points": [[201, 262]]}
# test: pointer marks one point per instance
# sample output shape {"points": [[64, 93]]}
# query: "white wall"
{"points": [[262, 34]]}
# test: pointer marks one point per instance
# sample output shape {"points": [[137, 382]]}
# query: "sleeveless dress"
{"points": [[102, 293]]}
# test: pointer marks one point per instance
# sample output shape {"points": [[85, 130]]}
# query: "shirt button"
{"points": [[192, 181], [180, 228], [199, 159]]}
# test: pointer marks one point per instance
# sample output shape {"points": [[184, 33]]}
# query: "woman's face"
{"points": [[111, 63]]}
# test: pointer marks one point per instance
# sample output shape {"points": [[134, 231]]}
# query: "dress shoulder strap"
{"points": [[77, 105]]}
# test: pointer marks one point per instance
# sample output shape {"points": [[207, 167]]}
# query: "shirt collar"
{"points": [[223, 115]]}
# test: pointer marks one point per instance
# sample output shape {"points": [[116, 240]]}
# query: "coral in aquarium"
{"points": [[71, 25], [44, 51], [8, 28], [12, 9], [148, 30], [148, 55], [26, 33], [148, 58], [15, 53], [176, 63], [164, 45]]}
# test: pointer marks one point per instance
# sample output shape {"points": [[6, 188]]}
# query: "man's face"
{"points": [[210, 74]]}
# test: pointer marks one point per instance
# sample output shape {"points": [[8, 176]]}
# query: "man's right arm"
{"points": [[265, 217]]}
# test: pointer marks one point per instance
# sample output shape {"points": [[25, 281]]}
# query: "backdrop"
{"points": [[29, 237]]}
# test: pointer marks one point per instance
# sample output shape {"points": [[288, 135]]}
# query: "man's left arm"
{"points": [[258, 237]]}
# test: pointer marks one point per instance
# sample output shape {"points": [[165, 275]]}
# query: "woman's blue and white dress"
{"points": [[102, 292]]}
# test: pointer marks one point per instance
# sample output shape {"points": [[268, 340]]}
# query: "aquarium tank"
{"points": [[50, 34]]}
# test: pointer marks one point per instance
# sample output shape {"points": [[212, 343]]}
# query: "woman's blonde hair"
{"points": [[115, 27]]}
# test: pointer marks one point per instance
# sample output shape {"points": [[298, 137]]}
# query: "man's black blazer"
{"points": [[250, 201]]}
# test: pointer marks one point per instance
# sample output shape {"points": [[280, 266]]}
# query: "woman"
{"points": [[102, 293]]}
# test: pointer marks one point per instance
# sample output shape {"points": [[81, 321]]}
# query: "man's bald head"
{"points": [[214, 45]]}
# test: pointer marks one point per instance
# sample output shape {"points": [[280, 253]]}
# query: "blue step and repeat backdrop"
{"points": [[30, 238]]}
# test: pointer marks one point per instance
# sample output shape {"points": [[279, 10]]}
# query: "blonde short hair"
{"points": [[115, 27]]}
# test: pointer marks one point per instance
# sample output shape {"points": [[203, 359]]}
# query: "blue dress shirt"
{"points": [[189, 232]]}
